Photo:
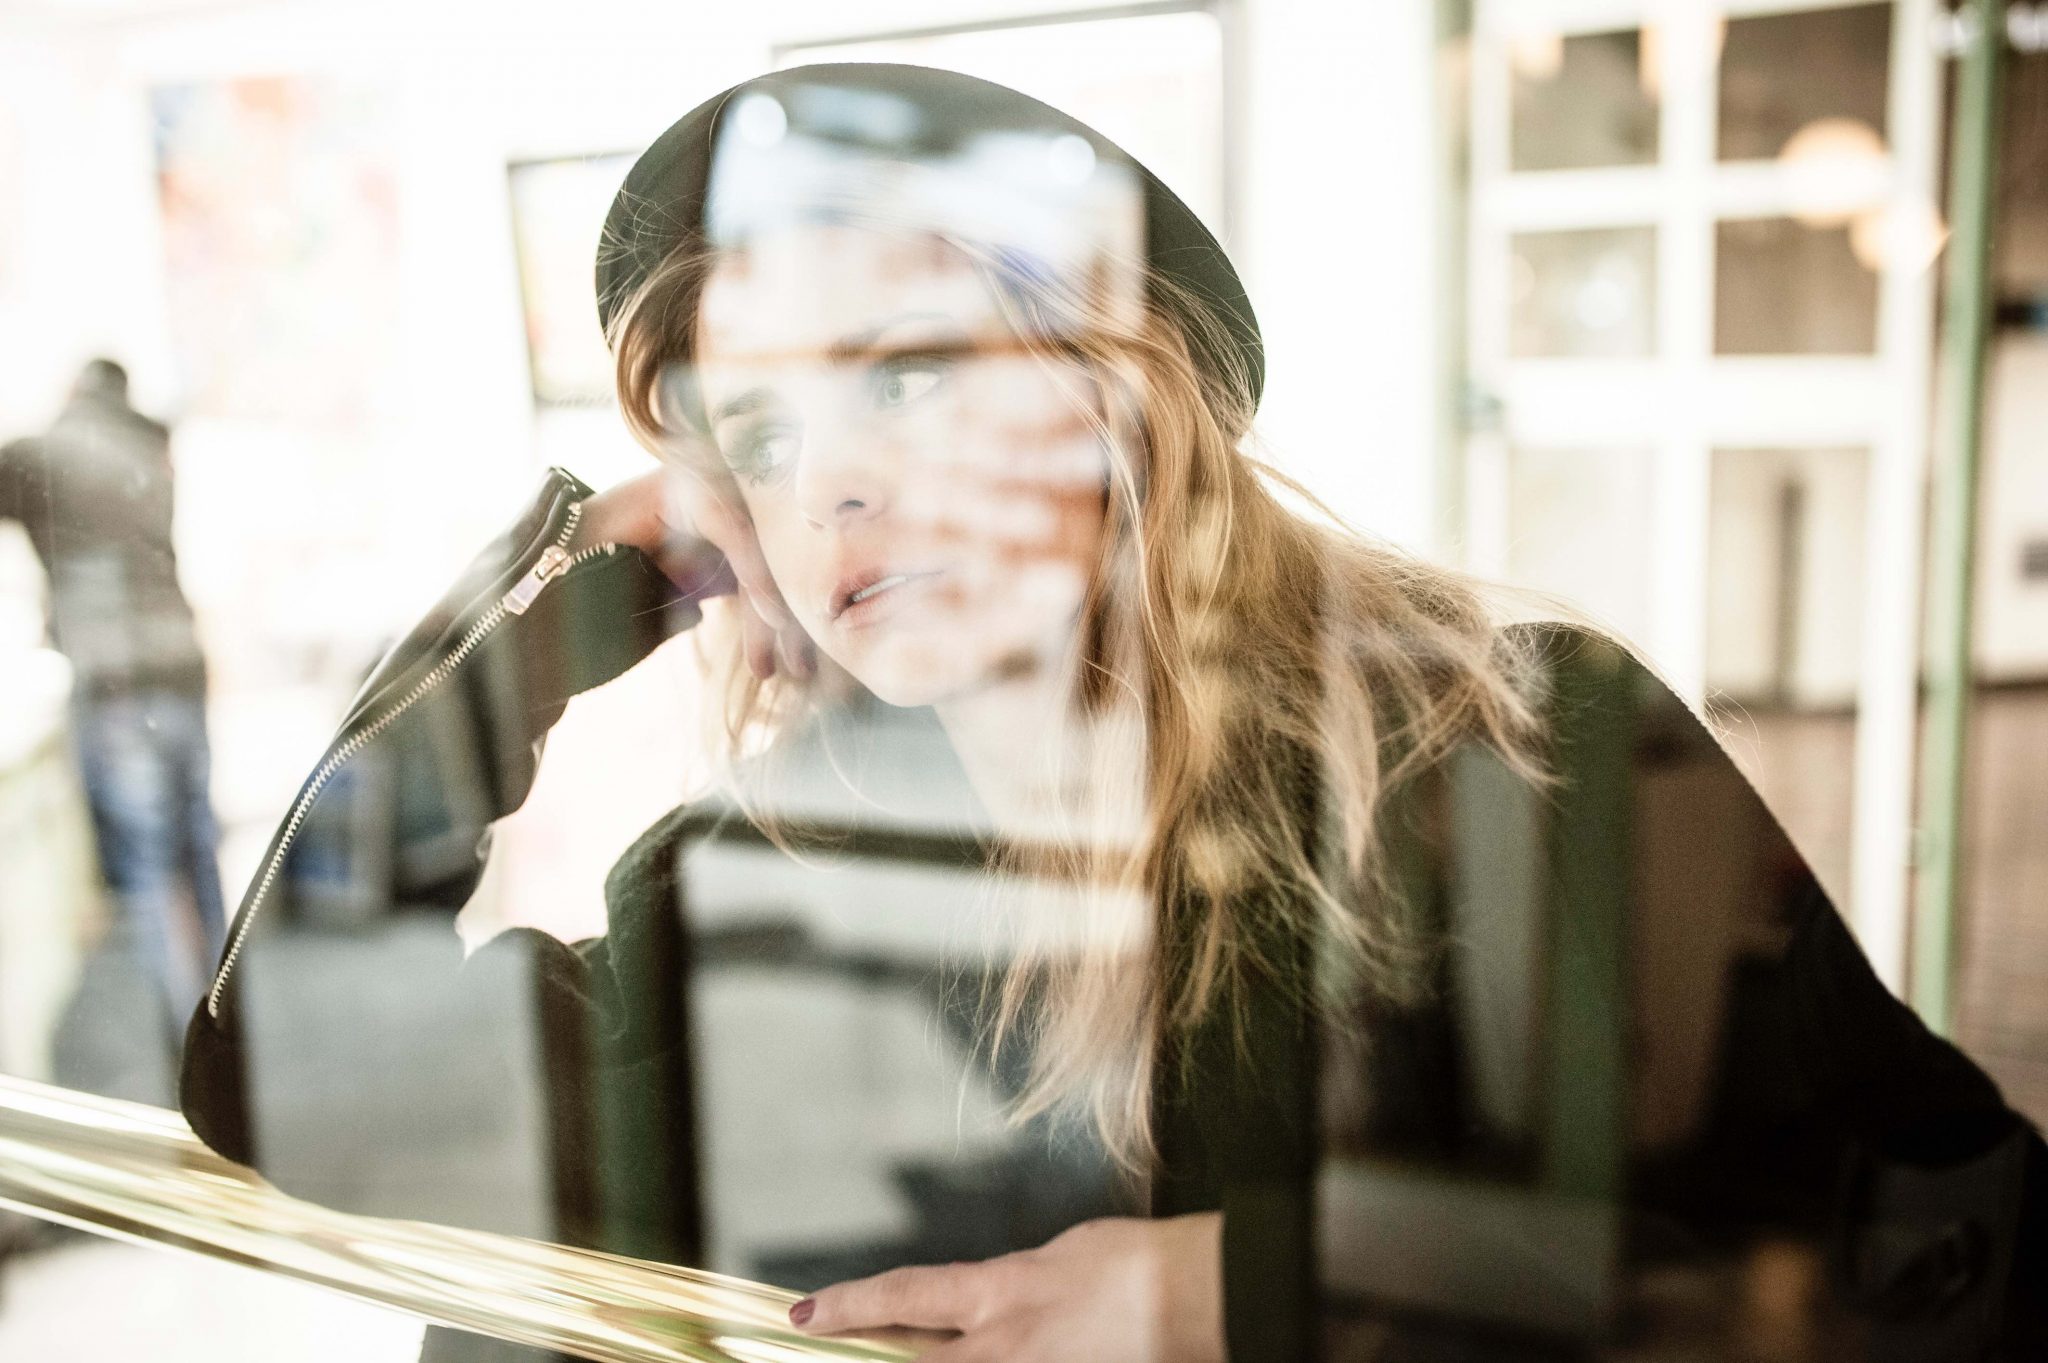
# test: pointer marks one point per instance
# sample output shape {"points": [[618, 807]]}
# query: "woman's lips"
{"points": [[880, 599]]}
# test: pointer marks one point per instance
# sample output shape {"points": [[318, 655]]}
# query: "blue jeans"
{"points": [[144, 762]]}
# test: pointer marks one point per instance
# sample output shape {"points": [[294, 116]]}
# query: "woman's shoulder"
{"points": [[1557, 643], [1608, 714], [1558, 651]]}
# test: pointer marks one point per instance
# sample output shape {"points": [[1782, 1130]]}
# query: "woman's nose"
{"points": [[843, 478]]}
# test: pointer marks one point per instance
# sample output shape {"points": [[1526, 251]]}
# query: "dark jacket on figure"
{"points": [[1716, 1066], [94, 493]]}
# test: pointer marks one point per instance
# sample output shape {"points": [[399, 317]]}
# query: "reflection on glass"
{"points": [[1578, 527], [114, 711], [2001, 1015], [53, 904], [1064, 796], [860, 984], [1781, 72], [1589, 292], [2021, 196], [1782, 287], [1582, 100], [57, 1306], [1786, 571], [1152, 82]]}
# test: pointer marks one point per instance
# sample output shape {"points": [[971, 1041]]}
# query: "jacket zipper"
{"points": [[554, 561]]}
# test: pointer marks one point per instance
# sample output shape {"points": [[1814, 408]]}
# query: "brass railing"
{"points": [[137, 1173]]}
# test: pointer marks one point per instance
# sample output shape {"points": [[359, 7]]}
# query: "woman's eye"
{"points": [[763, 453], [905, 381]]}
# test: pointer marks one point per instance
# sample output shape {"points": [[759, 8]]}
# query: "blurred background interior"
{"points": [[1633, 301]]}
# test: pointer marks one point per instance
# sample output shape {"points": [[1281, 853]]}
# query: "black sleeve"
{"points": [[1830, 1104], [1764, 1086], [1707, 847], [1822, 1026], [375, 1070]]}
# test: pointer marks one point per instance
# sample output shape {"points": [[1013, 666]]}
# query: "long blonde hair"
{"points": [[1280, 672]]}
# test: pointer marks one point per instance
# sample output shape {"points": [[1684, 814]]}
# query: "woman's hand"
{"points": [[1121, 1291], [701, 536]]}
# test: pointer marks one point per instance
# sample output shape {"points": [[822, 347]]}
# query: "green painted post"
{"points": [[1973, 157]]}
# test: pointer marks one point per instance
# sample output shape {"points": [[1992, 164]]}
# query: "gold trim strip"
{"points": [[137, 1173]]}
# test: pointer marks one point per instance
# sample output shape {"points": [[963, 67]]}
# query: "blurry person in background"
{"points": [[94, 494]]}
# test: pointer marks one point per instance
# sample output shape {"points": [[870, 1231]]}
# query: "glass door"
{"points": [[1699, 317]]}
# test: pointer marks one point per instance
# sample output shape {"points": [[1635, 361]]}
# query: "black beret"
{"points": [[660, 207]]}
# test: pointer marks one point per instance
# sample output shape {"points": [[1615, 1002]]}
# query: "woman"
{"points": [[951, 396]]}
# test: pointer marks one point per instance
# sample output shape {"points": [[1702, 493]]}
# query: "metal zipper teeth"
{"points": [[358, 740]]}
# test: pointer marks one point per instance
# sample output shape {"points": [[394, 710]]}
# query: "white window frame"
{"points": [[1684, 402]]}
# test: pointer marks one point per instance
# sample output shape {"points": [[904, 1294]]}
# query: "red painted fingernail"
{"points": [[800, 1314]]}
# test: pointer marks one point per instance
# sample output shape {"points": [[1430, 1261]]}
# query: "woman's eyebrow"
{"points": [[742, 404], [854, 345], [847, 349]]}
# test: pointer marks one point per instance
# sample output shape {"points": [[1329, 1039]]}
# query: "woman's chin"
{"points": [[911, 676], [907, 691]]}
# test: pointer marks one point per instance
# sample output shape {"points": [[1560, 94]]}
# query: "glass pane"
{"points": [[1153, 82], [2021, 257], [1582, 100], [2002, 1010], [558, 209], [1588, 292], [69, 1298], [1074, 713], [1786, 557], [1783, 287], [1578, 525], [839, 986], [1782, 73]]}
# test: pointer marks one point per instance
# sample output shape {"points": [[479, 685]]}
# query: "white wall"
{"points": [[77, 247]]}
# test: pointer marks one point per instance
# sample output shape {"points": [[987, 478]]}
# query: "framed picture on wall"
{"points": [[279, 210], [1153, 77], [558, 209]]}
